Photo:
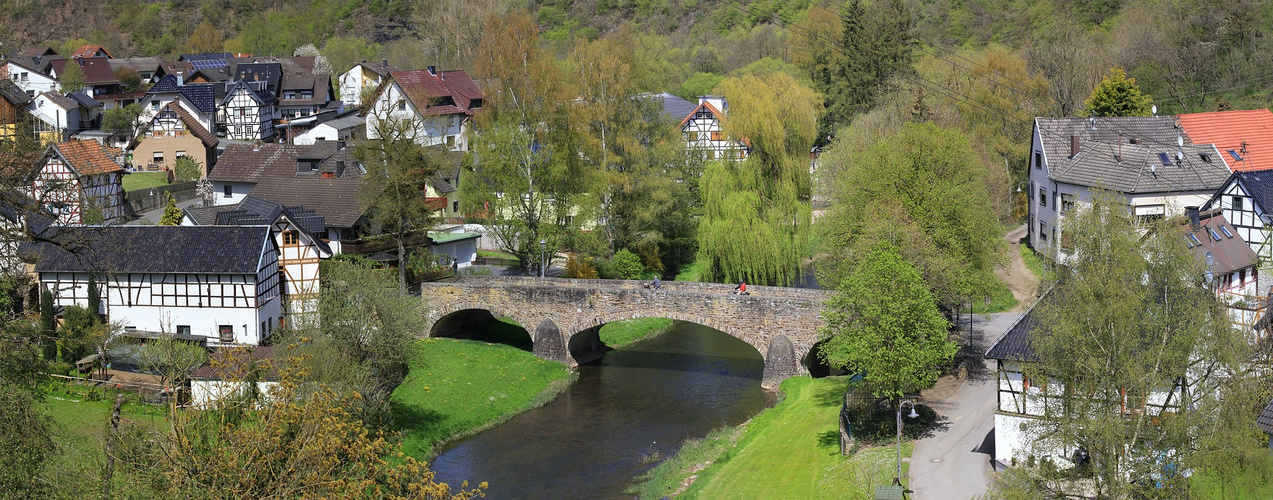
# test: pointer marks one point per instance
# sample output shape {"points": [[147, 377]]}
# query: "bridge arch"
{"points": [[435, 316]]}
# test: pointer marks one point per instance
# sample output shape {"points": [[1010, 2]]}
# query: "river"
{"points": [[624, 413]]}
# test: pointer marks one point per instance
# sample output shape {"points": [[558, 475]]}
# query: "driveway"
{"points": [[152, 217], [954, 461]]}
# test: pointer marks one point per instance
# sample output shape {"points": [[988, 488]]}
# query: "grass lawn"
{"points": [[617, 334], [79, 432], [1251, 484], [1000, 300], [145, 180], [1034, 262], [458, 387], [788, 451], [495, 254], [690, 272]]}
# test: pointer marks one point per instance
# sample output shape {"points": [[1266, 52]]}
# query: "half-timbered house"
{"points": [[170, 134], [1231, 265], [247, 111], [1244, 199], [219, 282], [433, 107], [198, 99], [293, 230], [704, 131], [80, 183]]}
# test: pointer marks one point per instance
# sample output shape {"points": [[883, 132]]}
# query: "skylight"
{"points": [[1194, 239], [1225, 229], [1166, 160], [1187, 242], [1214, 236], [1235, 156]]}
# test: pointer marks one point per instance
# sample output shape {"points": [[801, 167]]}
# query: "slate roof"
{"points": [[273, 169], [1140, 168], [13, 93], [261, 96], [1229, 254], [247, 163], [138, 63], [254, 211], [201, 95], [87, 157], [1015, 345], [168, 249], [60, 100], [270, 73], [1265, 420], [1249, 134], [381, 68], [674, 108], [83, 99], [421, 85], [334, 198], [97, 70]]}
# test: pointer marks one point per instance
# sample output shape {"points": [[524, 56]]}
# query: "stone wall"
{"points": [[781, 323]]}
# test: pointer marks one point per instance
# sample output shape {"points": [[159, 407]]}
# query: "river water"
{"points": [[638, 402]]}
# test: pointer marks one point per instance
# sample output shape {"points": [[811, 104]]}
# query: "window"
{"points": [[154, 105], [291, 238], [183, 329], [229, 191], [180, 153], [1043, 231], [450, 142], [1043, 196], [402, 104], [226, 332], [1038, 160], [716, 135], [455, 207], [1225, 230], [1054, 207], [1242, 277], [242, 112], [1067, 202], [1237, 203], [157, 158]]}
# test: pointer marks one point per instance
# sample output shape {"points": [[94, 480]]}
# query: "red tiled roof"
{"points": [[97, 70], [1228, 130], [87, 157], [720, 117], [87, 51], [420, 85]]}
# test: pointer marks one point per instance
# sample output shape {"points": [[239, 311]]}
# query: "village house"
{"points": [[1243, 199], [170, 134], [1146, 160], [347, 128], [293, 230], [227, 377], [80, 183], [246, 113], [704, 131], [364, 76], [433, 107], [198, 99], [1231, 265], [218, 282], [90, 51], [13, 109], [59, 116], [99, 78], [27, 78]]}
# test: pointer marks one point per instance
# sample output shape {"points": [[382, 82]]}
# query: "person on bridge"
{"points": [[654, 285], [741, 289]]}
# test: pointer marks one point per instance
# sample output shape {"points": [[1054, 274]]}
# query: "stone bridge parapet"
{"points": [[780, 323]]}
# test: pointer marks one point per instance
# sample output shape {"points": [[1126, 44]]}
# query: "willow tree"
{"points": [[921, 189], [756, 212]]}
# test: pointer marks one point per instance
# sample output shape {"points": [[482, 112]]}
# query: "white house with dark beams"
{"points": [[247, 111], [1148, 161], [1244, 200], [220, 282], [704, 131], [436, 107], [79, 183]]}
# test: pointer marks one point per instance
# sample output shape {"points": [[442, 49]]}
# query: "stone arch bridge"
{"points": [[563, 316]]}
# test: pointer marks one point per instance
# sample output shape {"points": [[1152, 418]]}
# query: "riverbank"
{"points": [[788, 451], [457, 388], [617, 334]]}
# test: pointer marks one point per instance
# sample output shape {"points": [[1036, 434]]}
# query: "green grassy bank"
{"points": [[788, 451], [617, 334]]}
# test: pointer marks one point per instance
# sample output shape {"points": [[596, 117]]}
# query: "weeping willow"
{"points": [[752, 229]]}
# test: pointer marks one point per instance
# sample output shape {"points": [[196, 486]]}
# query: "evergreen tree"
{"points": [[172, 214], [1118, 95], [875, 44], [94, 296]]}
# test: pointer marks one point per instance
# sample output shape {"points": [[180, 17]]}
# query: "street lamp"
{"points": [[543, 258], [899, 435]]}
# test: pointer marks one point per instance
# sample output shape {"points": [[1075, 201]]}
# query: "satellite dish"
{"points": [[1153, 110], [1210, 277], [1180, 156], [1153, 168], [1180, 141], [1211, 260]]}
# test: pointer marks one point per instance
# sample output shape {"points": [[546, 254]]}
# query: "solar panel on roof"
{"points": [[1188, 243], [1166, 160], [1235, 156], [209, 63]]}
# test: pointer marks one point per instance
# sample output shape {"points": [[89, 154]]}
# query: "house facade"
{"points": [[1231, 266], [346, 128], [13, 109], [28, 79], [704, 131], [198, 99], [247, 111], [1145, 160], [361, 78], [80, 183], [171, 134], [432, 107], [222, 283], [99, 77]]}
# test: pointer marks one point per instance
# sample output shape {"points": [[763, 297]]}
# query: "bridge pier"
{"points": [[781, 362], [549, 344]]}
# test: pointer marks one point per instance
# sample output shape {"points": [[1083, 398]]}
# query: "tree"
{"points": [[130, 79], [205, 39], [921, 189], [172, 215], [1132, 326], [26, 439], [321, 65], [882, 322], [48, 324], [172, 359], [94, 296], [393, 189], [1117, 95], [187, 169], [123, 120], [344, 52], [71, 79], [875, 45], [756, 213], [700, 84]]}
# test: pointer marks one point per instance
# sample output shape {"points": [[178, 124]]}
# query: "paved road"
{"points": [[152, 217], [954, 462]]}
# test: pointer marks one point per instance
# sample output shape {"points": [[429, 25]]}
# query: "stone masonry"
{"points": [[781, 323]]}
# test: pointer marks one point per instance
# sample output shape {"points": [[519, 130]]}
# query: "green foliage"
{"points": [[345, 51], [617, 334], [369, 319], [875, 45], [94, 296], [698, 85], [1117, 95], [81, 330], [71, 79], [625, 265], [922, 190], [172, 215], [187, 169], [882, 322], [122, 120], [48, 322], [130, 79], [205, 39], [26, 440], [580, 266]]}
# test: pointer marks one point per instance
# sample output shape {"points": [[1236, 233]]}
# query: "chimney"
{"points": [[433, 70], [256, 146], [340, 145], [181, 79], [1192, 212], [384, 63], [1074, 145]]}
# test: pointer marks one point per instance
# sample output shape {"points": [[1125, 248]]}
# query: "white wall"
{"points": [[322, 132], [238, 191], [32, 82], [204, 393], [427, 130]]}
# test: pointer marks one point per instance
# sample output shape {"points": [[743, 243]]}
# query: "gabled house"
{"points": [[90, 51], [294, 231], [324, 177], [28, 79], [346, 128], [1231, 265], [171, 133], [13, 109], [1146, 160], [704, 131], [80, 183], [59, 116], [146, 67], [99, 78], [436, 107], [1244, 199], [302, 95], [441, 192], [362, 77], [219, 282], [247, 111], [198, 99]]}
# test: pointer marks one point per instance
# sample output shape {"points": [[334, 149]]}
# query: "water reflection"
{"points": [[636, 403]]}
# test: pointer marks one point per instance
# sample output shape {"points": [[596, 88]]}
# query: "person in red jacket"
{"points": [[741, 289]]}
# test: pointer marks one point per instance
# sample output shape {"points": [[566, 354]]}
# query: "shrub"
{"points": [[626, 265], [579, 266], [652, 258]]}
